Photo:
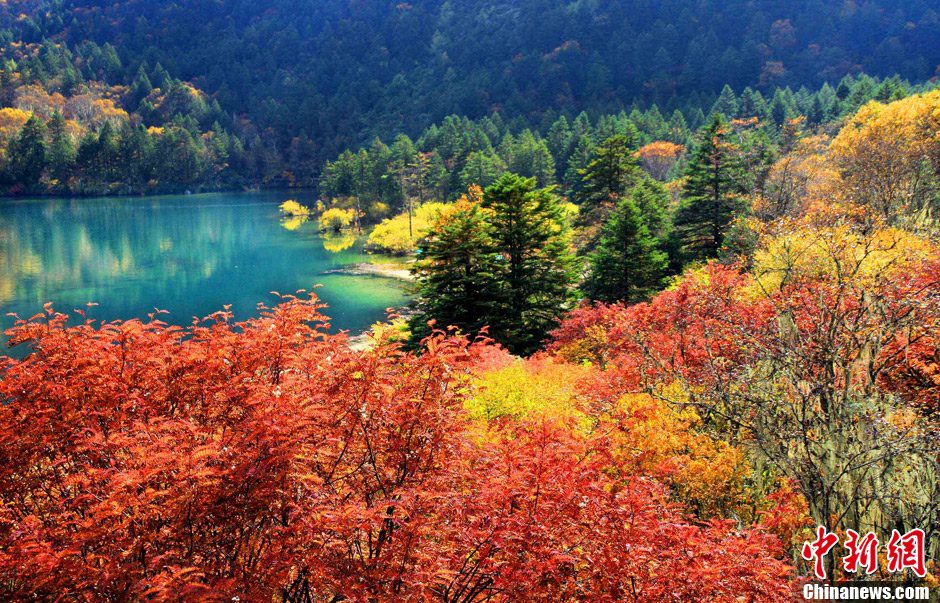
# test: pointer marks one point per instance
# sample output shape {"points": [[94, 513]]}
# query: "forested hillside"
{"points": [[296, 83]]}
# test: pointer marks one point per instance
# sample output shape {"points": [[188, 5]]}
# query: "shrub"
{"points": [[266, 460], [391, 235], [336, 219], [294, 209]]}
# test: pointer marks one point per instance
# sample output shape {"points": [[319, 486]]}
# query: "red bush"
{"points": [[266, 460]]}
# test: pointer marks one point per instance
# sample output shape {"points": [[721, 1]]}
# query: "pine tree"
{"points": [[482, 169], [528, 155], [578, 160], [678, 129], [628, 264], [108, 153], [559, 140], [610, 173], [782, 107], [713, 193], [531, 233], [61, 153], [753, 104], [727, 103], [458, 272], [140, 87], [161, 78], [27, 153]]}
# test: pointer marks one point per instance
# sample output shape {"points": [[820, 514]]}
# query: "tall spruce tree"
{"points": [[531, 233], [61, 153], [458, 272], [505, 262], [628, 264], [27, 154], [714, 193], [608, 175]]}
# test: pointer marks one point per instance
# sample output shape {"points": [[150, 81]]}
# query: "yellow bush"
{"points": [[292, 208], [527, 388], [654, 438], [336, 219], [392, 236]]}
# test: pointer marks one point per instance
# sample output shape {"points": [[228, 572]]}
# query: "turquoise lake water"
{"points": [[189, 255]]}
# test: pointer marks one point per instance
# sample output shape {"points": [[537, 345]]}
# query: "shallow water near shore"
{"points": [[187, 254]]}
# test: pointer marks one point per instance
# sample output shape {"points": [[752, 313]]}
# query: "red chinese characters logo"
{"points": [[904, 551], [863, 552], [907, 552], [818, 549]]}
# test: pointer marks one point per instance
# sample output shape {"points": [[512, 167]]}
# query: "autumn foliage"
{"points": [[266, 460], [659, 157], [820, 364], [678, 449]]}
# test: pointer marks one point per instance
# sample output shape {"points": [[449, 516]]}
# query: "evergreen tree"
{"points": [[61, 153], [753, 104], [140, 87], [713, 193], [609, 174], [108, 153], [529, 156], [458, 273], [782, 107], [481, 169], [559, 141], [628, 264], [891, 89], [136, 153], [27, 154], [727, 103], [161, 78], [844, 88], [530, 231], [578, 160], [677, 129]]}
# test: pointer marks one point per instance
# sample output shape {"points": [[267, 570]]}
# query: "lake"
{"points": [[189, 255]]}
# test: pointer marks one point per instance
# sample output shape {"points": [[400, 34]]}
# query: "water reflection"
{"points": [[186, 254]]}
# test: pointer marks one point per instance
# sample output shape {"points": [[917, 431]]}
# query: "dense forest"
{"points": [[251, 94]]}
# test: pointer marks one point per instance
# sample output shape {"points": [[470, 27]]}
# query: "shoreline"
{"points": [[399, 272], [156, 193]]}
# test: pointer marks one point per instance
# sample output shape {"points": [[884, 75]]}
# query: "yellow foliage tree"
{"points": [[336, 219], [658, 157], [889, 157], [391, 235], [798, 250], [12, 120], [800, 179]]}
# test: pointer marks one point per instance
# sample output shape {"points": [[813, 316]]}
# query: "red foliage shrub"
{"points": [[713, 323], [912, 356], [681, 332], [265, 460]]}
